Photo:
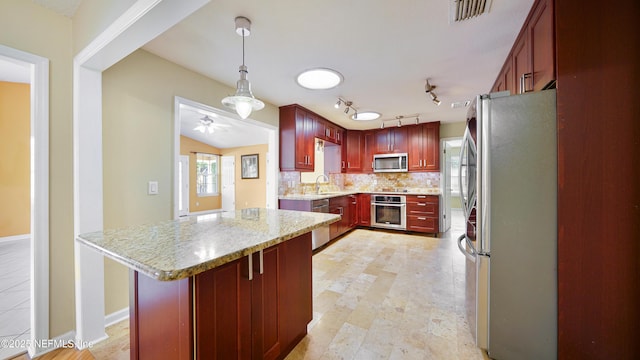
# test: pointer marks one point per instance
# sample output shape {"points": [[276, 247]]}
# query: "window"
{"points": [[207, 174]]}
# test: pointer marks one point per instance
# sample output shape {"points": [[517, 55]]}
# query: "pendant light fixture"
{"points": [[243, 102]]}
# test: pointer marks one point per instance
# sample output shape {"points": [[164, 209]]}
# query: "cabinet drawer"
{"points": [[422, 223]]}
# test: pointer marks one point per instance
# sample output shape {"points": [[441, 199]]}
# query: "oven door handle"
{"points": [[385, 204]]}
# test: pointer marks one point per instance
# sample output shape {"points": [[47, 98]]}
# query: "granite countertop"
{"points": [[327, 195], [177, 249]]}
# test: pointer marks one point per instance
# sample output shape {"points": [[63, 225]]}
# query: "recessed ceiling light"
{"points": [[319, 79], [365, 115]]}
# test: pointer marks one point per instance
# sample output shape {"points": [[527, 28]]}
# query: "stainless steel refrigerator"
{"points": [[509, 182]]}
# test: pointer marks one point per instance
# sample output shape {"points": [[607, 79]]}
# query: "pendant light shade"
{"points": [[243, 102]]}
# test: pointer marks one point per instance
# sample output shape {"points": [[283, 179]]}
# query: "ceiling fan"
{"points": [[208, 126]]}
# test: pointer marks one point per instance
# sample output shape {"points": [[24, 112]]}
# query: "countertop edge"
{"points": [[311, 197], [178, 274]]}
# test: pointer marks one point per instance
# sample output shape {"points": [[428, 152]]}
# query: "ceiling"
{"points": [[14, 71], [385, 51], [228, 133]]}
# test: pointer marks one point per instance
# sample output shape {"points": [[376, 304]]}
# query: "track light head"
{"points": [[428, 87], [436, 101], [338, 103]]}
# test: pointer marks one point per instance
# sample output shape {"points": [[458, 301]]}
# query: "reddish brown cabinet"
{"points": [[234, 311], [391, 140], [531, 64], [368, 139], [353, 151], [347, 207], [423, 213], [364, 209], [424, 147], [297, 138]]}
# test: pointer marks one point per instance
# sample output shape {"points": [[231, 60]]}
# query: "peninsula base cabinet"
{"points": [[255, 307]]}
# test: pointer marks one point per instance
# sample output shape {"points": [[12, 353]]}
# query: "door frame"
{"points": [[272, 153], [184, 179], [39, 158], [445, 173]]}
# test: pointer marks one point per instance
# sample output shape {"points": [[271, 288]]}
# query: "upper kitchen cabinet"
{"points": [[531, 64], [391, 140], [354, 147], [424, 147], [297, 138], [328, 131], [368, 139]]}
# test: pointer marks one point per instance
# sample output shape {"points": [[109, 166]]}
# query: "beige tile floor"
{"points": [[388, 295]]}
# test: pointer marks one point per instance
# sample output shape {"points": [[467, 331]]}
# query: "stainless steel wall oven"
{"points": [[389, 211]]}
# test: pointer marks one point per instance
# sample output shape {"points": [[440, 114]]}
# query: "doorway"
{"points": [[229, 132], [451, 214], [24, 235]]}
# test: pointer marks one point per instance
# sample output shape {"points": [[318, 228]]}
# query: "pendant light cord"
{"points": [[242, 47]]}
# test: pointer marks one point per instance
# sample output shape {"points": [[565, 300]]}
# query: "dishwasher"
{"points": [[320, 236]]}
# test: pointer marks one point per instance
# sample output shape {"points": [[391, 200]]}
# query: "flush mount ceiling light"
{"points": [[319, 79], [428, 88], [243, 102], [365, 115]]}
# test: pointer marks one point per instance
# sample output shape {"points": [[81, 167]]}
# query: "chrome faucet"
{"points": [[318, 184]]}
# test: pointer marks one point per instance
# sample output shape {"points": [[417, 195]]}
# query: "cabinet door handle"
{"points": [[343, 164], [421, 204], [250, 256], [341, 209], [422, 218], [261, 262], [523, 82], [420, 165], [421, 197], [349, 164]]}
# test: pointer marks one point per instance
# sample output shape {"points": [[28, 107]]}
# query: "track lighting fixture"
{"points": [[243, 102], [348, 105], [357, 115], [398, 119], [428, 88]]}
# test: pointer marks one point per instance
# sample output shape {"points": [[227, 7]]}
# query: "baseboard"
{"points": [[69, 338], [65, 339], [15, 237], [116, 317]]}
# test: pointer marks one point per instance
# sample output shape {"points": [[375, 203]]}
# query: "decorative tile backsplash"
{"points": [[289, 182]]}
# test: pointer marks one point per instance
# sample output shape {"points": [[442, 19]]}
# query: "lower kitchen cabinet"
{"points": [[364, 209], [347, 207], [237, 311], [423, 213]]}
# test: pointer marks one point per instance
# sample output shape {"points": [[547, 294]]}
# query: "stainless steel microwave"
{"points": [[390, 162]]}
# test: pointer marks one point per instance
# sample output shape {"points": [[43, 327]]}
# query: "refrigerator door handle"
{"points": [[471, 253]]}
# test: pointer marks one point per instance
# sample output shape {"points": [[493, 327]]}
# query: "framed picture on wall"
{"points": [[249, 164]]}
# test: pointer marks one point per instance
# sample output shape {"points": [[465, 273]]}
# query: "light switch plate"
{"points": [[153, 188]]}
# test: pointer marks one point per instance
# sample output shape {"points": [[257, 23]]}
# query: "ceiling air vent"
{"points": [[466, 9]]}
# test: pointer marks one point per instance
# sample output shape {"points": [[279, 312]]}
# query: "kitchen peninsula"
{"points": [[218, 286]]}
